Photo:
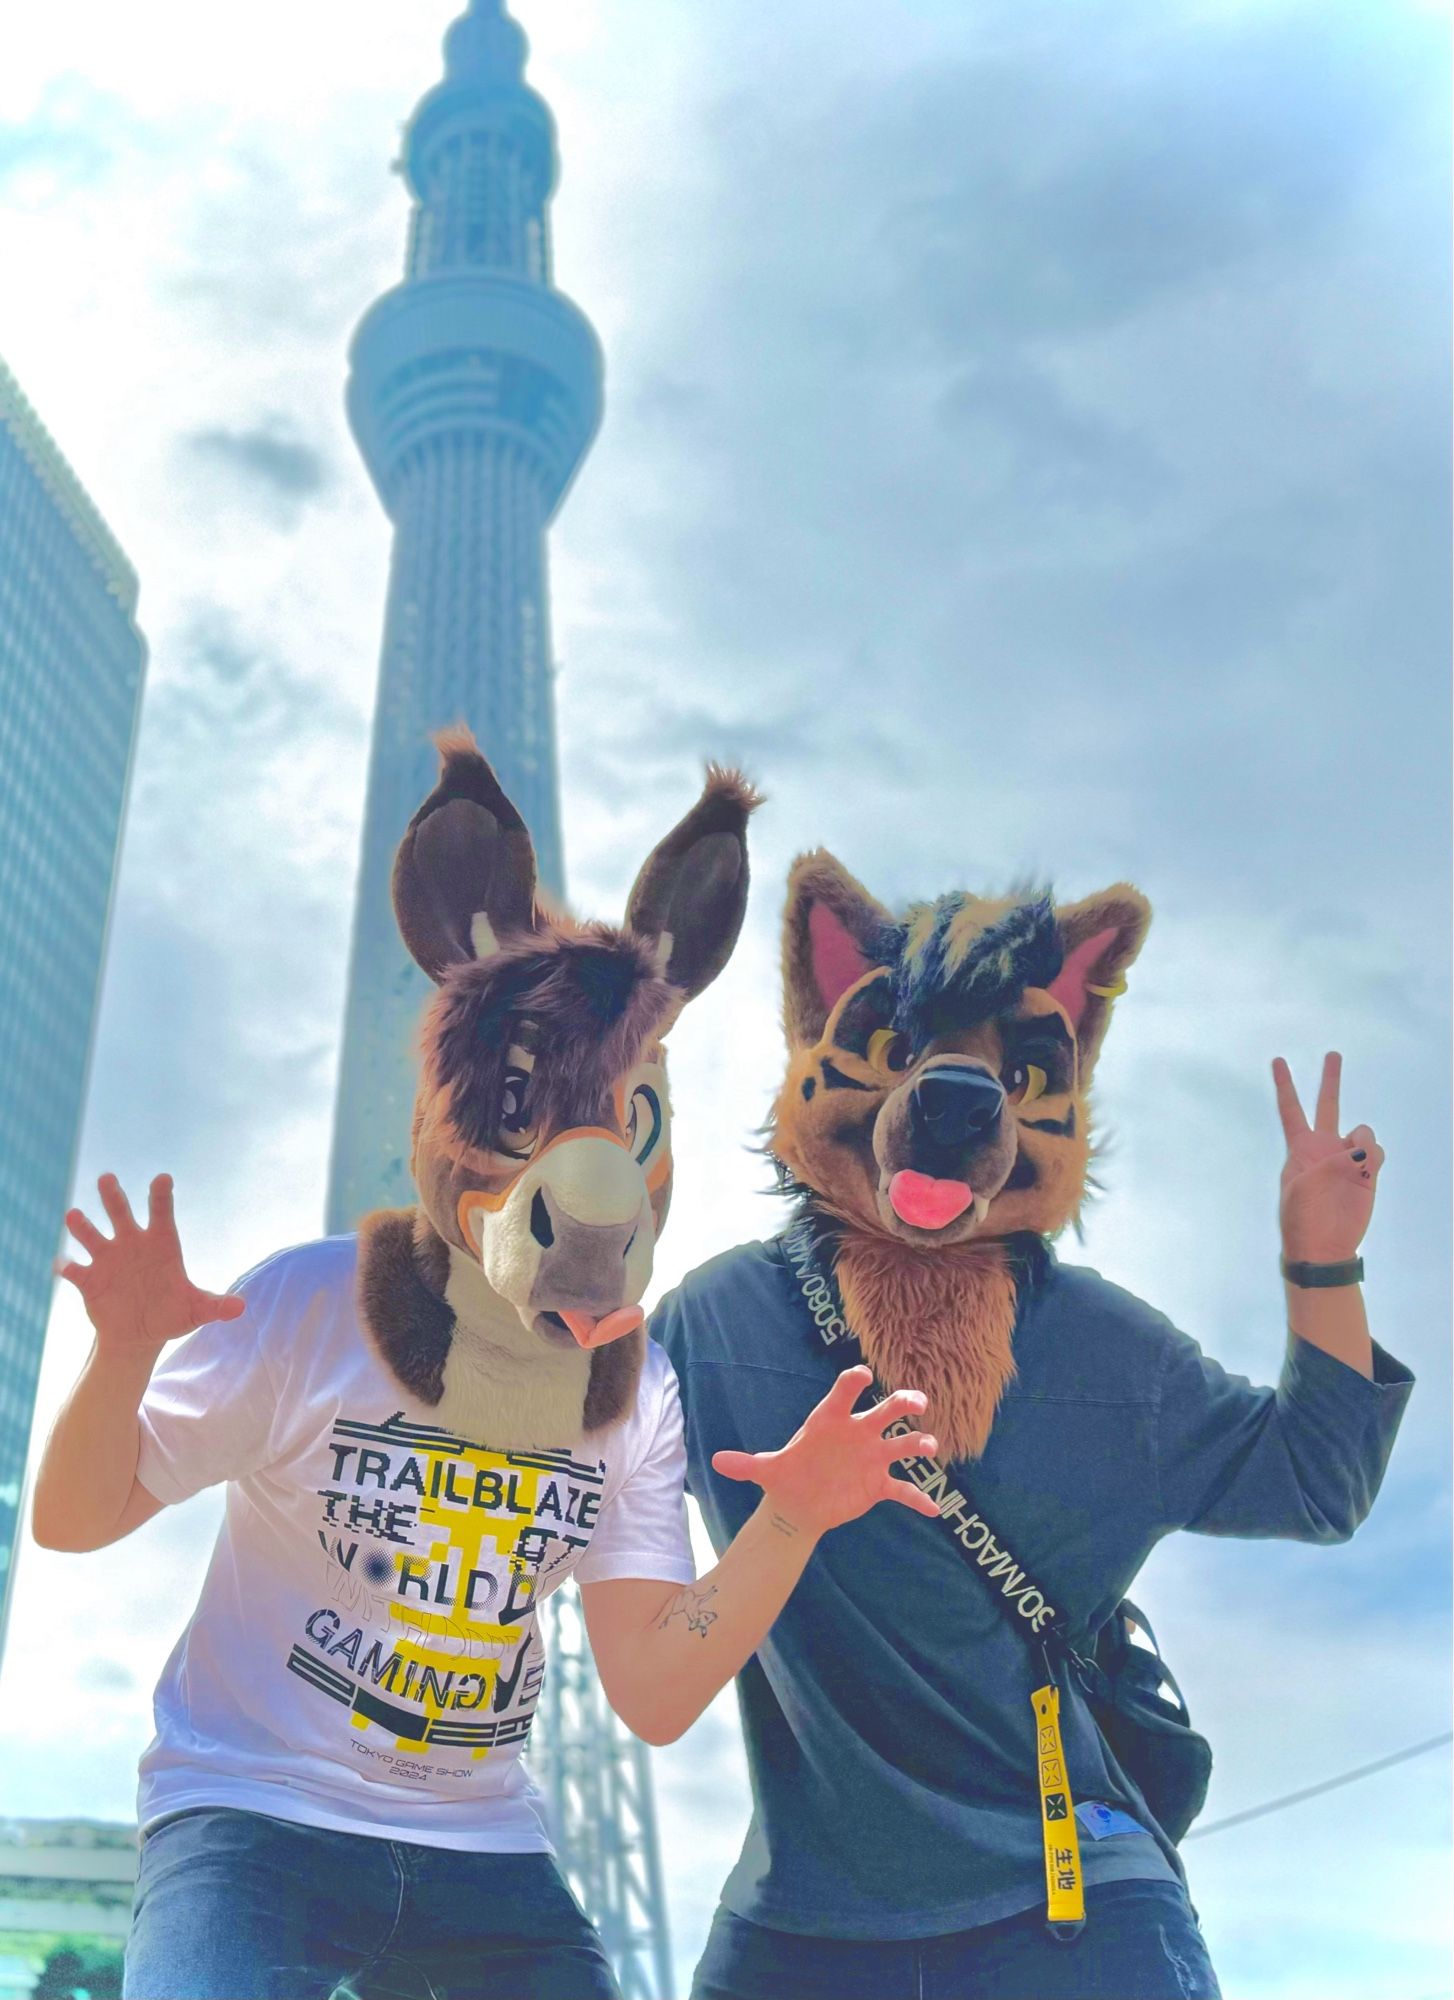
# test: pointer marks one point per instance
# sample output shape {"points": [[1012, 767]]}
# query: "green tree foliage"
{"points": [[80, 1970]]}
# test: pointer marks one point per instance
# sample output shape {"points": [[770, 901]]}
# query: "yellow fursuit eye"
{"points": [[1027, 1082], [887, 1049]]}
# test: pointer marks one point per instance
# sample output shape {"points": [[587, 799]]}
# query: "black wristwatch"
{"points": [[1313, 1277]]}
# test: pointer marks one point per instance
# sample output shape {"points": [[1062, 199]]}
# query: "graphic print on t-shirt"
{"points": [[435, 1551]]}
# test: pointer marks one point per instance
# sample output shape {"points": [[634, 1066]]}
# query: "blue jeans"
{"points": [[1141, 1941], [237, 1906]]}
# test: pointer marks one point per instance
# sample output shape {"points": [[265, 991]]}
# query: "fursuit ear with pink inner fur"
{"points": [[833, 933], [1069, 984], [691, 895], [838, 963], [464, 875], [1102, 935]]}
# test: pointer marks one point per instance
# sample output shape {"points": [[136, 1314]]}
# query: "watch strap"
{"points": [[1313, 1277]]}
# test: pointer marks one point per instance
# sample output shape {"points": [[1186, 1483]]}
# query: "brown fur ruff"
{"points": [[941, 1321], [611, 1387], [403, 1268]]}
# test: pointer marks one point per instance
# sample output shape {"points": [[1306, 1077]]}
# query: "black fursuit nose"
{"points": [[953, 1106]]}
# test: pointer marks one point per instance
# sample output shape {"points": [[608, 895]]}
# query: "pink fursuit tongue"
{"points": [[925, 1203], [591, 1332]]}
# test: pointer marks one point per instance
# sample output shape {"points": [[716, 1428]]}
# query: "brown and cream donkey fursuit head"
{"points": [[509, 1298], [936, 1108]]}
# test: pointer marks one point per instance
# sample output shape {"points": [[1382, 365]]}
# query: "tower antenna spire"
{"points": [[486, 43]]}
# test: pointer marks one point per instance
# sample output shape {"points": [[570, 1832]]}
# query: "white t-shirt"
{"points": [[363, 1655]]}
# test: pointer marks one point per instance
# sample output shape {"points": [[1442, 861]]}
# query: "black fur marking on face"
{"points": [[810, 1084], [871, 1008], [1038, 1031], [834, 1079], [1046, 1042], [1063, 1128], [1023, 948], [1021, 1175]]}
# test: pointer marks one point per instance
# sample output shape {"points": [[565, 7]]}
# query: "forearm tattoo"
{"points": [[692, 1606], [783, 1525]]}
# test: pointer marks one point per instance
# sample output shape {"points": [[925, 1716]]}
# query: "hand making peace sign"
{"points": [[1329, 1180]]}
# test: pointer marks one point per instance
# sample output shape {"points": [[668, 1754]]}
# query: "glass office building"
{"points": [[71, 666]]}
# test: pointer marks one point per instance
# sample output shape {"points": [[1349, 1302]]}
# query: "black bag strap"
{"points": [[1126, 1609]]}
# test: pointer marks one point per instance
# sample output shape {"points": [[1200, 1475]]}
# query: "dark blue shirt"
{"points": [[887, 1714]]}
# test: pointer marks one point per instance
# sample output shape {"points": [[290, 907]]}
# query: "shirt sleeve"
{"points": [[641, 1530], [1302, 1462], [209, 1410], [666, 1329]]}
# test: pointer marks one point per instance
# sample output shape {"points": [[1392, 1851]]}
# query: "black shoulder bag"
{"points": [[1148, 1732]]}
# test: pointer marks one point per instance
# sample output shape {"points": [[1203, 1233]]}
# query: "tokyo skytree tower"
{"points": [[474, 394]]}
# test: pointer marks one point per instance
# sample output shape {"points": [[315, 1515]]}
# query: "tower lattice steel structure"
{"points": [[475, 391]]}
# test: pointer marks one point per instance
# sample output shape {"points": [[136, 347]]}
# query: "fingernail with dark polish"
{"points": [[1360, 1154]]}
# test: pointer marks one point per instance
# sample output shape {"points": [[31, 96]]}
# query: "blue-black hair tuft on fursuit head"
{"points": [[935, 996]]}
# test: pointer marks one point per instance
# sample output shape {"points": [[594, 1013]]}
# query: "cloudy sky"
{"points": [[1027, 449]]}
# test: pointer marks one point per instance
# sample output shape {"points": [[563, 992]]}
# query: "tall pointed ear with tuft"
{"points": [[691, 895], [1102, 935], [833, 933], [464, 875]]}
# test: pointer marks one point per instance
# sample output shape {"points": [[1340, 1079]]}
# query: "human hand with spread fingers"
{"points": [[135, 1288], [663, 1655], [838, 1465], [138, 1299]]}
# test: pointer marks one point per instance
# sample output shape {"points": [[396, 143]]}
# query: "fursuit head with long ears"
{"points": [[936, 1108], [509, 1298]]}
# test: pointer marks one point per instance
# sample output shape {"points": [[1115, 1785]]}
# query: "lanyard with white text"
{"points": [[1064, 1882]]}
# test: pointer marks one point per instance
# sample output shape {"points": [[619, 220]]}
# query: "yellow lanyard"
{"points": [[1064, 1884]]}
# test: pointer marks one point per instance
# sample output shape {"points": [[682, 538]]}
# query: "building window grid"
{"points": [[70, 671]]}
